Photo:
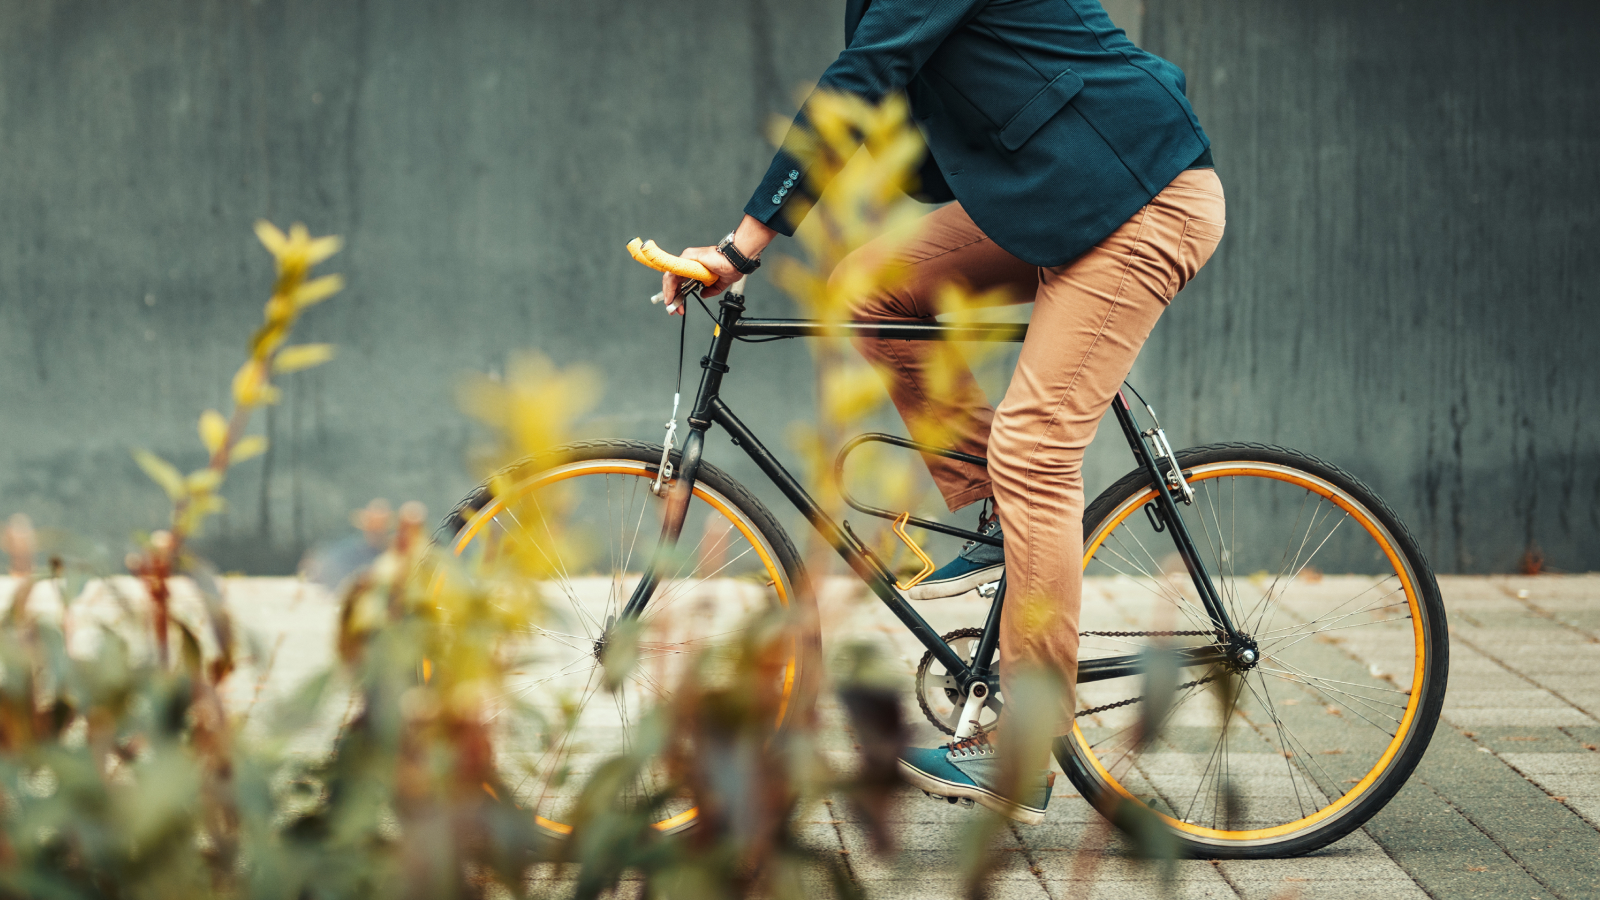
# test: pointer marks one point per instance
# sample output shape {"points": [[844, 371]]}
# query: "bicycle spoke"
{"points": [[1227, 721], [1219, 775], [1352, 709], [1179, 602]]}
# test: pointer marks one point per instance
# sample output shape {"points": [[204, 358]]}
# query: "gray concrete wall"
{"points": [[1408, 282], [1401, 290], [486, 163]]}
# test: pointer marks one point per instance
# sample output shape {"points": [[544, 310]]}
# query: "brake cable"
{"points": [[668, 443]]}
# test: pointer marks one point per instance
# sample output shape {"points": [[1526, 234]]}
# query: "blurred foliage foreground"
{"points": [[127, 771]]}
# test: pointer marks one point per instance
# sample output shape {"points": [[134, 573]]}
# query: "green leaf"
{"points": [[161, 472], [301, 356]]}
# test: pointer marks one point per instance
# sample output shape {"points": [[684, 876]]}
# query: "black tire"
{"points": [[1348, 741], [634, 464]]}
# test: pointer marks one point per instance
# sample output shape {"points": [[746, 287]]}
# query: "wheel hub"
{"points": [[1243, 653]]}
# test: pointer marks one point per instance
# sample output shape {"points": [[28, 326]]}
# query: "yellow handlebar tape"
{"points": [[647, 253]]}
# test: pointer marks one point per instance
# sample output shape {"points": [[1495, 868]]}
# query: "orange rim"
{"points": [[1379, 534], [487, 514]]}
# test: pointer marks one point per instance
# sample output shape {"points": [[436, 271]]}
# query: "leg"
{"points": [[930, 385], [1089, 320]]}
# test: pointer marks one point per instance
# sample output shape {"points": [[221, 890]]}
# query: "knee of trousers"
{"points": [[1020, 465], [867, 303]]}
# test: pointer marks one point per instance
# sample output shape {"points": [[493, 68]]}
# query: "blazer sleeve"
{"points": [[891, 43]]}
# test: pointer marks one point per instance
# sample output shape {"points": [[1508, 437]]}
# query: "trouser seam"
{"points": [[1055, 413]]}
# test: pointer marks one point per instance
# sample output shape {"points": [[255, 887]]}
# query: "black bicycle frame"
{"points": [[709, 409]]}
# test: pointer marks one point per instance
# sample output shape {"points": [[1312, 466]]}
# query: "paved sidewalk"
{"points": [[1505, 805]]}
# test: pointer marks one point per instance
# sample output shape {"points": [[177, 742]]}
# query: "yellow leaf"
{"points": [[301, 356], [161, 472], [203, 481], [248, 448], [317, 290], [213, 430], [271, 238], [321, 248], [247, 384]]}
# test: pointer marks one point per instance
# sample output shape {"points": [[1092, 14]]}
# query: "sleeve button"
{"points": [[794, 173], [777, 200], [788, 183]]}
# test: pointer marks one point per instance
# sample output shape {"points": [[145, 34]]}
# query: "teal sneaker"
{"points": [[970, 770], [977, 564]]}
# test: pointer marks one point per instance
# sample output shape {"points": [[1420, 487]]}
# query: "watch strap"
{"points": [[743, 264]]}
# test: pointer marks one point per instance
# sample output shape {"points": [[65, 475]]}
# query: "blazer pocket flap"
{"points": [[1041, 109]]}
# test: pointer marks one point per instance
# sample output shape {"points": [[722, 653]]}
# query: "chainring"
{"points": [[940, 685]]}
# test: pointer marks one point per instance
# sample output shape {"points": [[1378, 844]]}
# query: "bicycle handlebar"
{"points": [[647, 253]]}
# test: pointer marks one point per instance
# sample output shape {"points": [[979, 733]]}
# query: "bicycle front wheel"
{"points": [[592, 515], [1296, 747]]}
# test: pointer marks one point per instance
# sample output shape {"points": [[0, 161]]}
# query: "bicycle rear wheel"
{"points": [[1291, 753], [559, 721]]}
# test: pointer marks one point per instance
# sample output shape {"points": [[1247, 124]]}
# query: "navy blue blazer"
{"points": [[1040, 116]]}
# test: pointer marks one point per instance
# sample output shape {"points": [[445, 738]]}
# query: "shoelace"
{"points": [[977, 745], [986, 517]]}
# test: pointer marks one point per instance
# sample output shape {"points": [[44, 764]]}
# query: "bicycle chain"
{"points": [[1132, 700], [1149, 633], [927, 661]]}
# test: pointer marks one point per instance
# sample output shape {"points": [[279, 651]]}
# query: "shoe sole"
{"points": [[1027, 815], [955, 587]]}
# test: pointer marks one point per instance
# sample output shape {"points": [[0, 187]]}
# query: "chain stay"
{"points": [[927, 662], [1132, 700]]}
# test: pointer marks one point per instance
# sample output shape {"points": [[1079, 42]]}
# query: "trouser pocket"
{"points": [[1199, 241]]}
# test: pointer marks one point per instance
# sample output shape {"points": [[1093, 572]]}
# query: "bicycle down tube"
{"points": [[709, 409]]}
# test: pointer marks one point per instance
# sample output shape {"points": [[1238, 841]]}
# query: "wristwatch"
{"points": [[744, 264]]}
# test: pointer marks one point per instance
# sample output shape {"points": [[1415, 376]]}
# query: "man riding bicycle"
{"points": [[1074, 176]]}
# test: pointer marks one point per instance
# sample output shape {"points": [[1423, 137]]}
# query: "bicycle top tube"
{"points": [[894, 331]]}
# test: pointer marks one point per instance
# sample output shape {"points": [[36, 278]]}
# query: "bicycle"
{"points": [[1310, 739]]}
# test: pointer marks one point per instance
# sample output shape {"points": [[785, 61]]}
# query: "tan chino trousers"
{"points": [[1090, 318]]}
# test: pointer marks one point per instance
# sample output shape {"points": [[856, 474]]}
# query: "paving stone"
{"points": [[1587, 807], [931, 836], [1373, 865], [1540, 823], [1554, 763], [1477, 718], [1140, 890], [1569, 682], [1524, 699], [1007, 864], [1067, 865], [1314, 889], [1442, 877], [1570, 785], [928, 887], [1586, 735], [1516, 739], [818, 836]]}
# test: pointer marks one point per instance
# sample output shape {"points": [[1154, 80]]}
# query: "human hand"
{"points": [[750, 238], [715, 262]]}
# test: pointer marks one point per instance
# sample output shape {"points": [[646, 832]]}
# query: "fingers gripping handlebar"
{"points": [[647, 253]]}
